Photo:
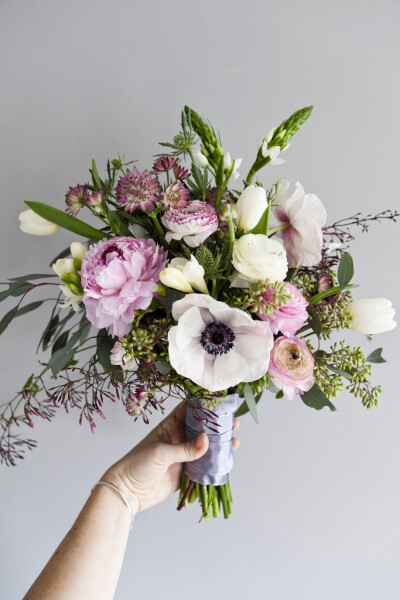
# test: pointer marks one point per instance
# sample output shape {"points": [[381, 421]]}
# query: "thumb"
{"points": [[187, 451]]}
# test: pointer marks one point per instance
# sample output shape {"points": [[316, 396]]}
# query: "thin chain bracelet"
{"points": [[122, 495]]}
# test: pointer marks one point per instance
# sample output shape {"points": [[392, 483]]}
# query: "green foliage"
{"points": [[147, 341], [211, 147], [315, 398], [267, 296], [345, 270], [183, 141], [210, 260]]}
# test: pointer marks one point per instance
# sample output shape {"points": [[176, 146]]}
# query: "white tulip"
{"points": [[200, 160], [192, 271], [250, 207], [63, 265], [257, 257], [372, 315], [32, 223], [174, 278], [78, 250]]}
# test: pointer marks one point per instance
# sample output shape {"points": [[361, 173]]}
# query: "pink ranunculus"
{"points": [[288, 318], [291, 366], [118, 276], [194, 223], [304, 215]]}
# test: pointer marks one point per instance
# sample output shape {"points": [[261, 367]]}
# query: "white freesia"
{"points": [[200, 160], [32, 223], [257, 257], [71, 299], [217, 346], [174, 278], [371, 315], [250, 207], [78, 250], [272, 153], [118, 357], [63, 265], [192, 271], [228, 165]]}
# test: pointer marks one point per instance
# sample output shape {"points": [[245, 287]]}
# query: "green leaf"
{"points": [[163, 367], [314, 320], [171, 297], [60, 359], [262, 224], [376, 356], [315, 398], [8, 317], [345, 374], [95, 176], [66, 221], [251, 401], [29, 307], [345, 270], [20, 289], [105, 344], [60, 342], [33, 276]]}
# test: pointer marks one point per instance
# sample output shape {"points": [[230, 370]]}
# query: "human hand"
{"points": [[152, 470]]}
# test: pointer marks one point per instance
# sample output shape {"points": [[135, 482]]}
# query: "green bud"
{"points": [[77, 263], [116, 163], [161, 290], [76, 289], [71, 278]]}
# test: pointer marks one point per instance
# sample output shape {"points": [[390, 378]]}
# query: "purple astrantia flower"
{"points": [[75, 199], [194, 223], [118, 276], [217, 346], [291, 366], [179, 171], [289, 317], [137, 190], [94, 201], [176, 195], [164, 164]]}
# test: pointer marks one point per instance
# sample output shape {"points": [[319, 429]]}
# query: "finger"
{"points": [[235, 443], [186, 451], [236, 423]]}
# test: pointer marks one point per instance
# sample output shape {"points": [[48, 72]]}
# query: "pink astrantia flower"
{"points": [[176, 195], [164, 164], [217, 346], [137, 190], [118, 276], [304, 215], [94, 201], [75, 199], [194, 223], [291, 366], [288, 318], [179, 171]]}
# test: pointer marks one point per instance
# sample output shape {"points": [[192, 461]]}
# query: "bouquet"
{"points": [[198, 286]]}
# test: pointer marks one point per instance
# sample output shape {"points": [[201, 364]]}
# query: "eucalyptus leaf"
{"points": [[20, 289], [33, 276], [60, 342], [314, 320], [345, 270], [105, 344], [315, 398], [376, 356], [163, 367], [54, 215], [251, 401], [341, 372], [8, 317], [29, 307], [60, 359]]}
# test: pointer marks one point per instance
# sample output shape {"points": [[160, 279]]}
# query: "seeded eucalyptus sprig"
{"points": [[281, 137]]}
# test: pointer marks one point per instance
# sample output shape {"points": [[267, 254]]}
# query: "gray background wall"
{"points": [[316, 512]]}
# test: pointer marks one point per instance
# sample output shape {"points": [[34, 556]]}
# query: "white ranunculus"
{"points": [[250, 207], [217, 346], [78, 250], [257, 257], [372, 315], [117, 357], [32, 223], [200, 160], [228, 164], [63, 265], [174, 278], [192, 271]]}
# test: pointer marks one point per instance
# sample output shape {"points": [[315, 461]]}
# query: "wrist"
{"points": [[115, 477]]}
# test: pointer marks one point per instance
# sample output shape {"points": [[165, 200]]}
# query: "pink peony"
{"points": [[291, 366], [288, 318], [304, 215], [118, 276], [194, 223]]}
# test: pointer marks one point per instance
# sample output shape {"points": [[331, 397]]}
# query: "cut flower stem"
{"points": [[210, 497]]}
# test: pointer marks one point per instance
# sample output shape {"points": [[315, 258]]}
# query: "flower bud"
{"points": [[70, 278], [371, 315], [31, 222], [192, 271], [173, 278], [250, 207], [78, 250], [200, 160], [63, 265]]}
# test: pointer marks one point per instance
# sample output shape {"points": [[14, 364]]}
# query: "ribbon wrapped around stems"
{"points": [[214, 467]]}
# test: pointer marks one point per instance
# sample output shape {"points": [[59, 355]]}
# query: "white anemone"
{"points": [[217, 346]]}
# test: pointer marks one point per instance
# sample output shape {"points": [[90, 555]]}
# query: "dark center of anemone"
{"points": [[217, 338]]}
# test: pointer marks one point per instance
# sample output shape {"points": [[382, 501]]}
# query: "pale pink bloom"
{"points": [[118, 276], [194, 223], [291, 366], [121, 358], [288, 318], [305, 216], [176, 195], [217, 346]]}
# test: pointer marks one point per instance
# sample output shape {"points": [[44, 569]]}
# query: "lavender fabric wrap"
{"points": [[214, 467]]}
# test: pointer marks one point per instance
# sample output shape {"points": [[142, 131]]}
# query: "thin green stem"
{"points": [[278, 228], [158, 227]]}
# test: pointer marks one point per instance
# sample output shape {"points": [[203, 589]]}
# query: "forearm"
{"points": [[88, 561]]}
